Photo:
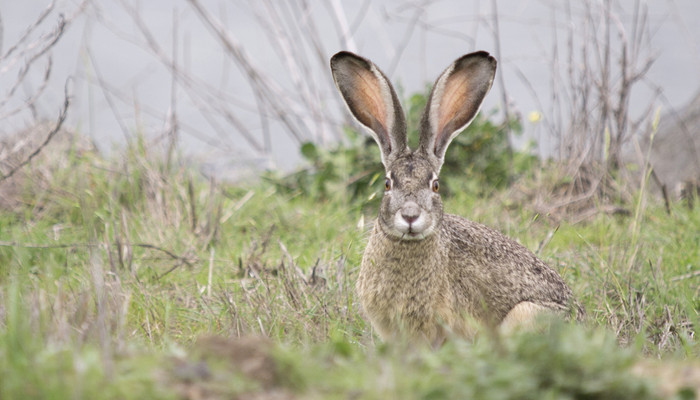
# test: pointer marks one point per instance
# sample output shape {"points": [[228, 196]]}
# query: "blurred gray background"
{"points": [[240, 85]]}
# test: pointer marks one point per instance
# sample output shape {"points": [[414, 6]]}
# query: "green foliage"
{"points": [[478, 160], [481, 159], [349, 169], [563, 362], [114, 273], [33, 366]]}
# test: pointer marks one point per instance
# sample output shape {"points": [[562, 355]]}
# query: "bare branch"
{"points": [[27, 33], [51, 40], [33, 97], [57, 127], [338, 14], [258, 82]]}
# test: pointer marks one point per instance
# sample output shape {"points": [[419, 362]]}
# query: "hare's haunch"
{"points": [[425, 273]]}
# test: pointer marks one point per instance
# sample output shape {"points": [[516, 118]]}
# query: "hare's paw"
{"points": [[522, 316]]}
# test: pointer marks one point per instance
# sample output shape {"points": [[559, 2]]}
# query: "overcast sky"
{"points": [[412, 41]]}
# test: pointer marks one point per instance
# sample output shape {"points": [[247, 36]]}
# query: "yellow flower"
{"points": [[534, 116]]}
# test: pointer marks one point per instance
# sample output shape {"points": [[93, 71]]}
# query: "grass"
{"points": [[121, 278]]}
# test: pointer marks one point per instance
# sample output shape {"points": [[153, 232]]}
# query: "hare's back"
{"points": [[502, 270]]}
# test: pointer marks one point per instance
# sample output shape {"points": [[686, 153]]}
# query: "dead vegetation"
{"points": [[598, 58], [30, 158], [18, 65]]}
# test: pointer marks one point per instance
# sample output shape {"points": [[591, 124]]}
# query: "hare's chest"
{"points": [[399, 295]]}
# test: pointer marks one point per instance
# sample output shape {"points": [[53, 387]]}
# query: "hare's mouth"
{"points": [[415, 235], [415, 228], [408, 235]]}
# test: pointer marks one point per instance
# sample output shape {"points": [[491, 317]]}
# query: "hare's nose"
{"points": [[409, 218], [410, 212]]}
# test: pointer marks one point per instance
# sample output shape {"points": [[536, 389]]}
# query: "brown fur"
{"points": [[426, 274]]}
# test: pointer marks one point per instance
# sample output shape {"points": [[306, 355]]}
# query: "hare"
{"points": [[426, 274]]}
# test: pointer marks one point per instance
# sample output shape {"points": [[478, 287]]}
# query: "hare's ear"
{"points": [[455, 101], [371, 100]]}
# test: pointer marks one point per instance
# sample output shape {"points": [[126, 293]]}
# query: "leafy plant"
{"points": [[350, 168], [481, 157]]}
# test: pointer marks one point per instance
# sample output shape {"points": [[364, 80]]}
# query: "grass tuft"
{"points": [[122, 278]]}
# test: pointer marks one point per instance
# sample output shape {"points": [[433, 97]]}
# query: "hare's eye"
{"points": [[436, 186], [387, 184]]}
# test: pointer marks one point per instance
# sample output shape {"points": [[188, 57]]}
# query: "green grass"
{"points": [[120, 278]]}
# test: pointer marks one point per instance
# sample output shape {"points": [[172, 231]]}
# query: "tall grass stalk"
{"points": [[641, 198]]}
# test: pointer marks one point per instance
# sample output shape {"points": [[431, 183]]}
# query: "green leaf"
{"points": [[309, 151]]}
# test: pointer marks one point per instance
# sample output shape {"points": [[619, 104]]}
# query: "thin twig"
{"points": [[255, 77], [29, 62], [29, 30], [686, 276], [181, 259], [57, 127]]}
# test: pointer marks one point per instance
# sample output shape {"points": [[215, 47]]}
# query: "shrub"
{"points": [[479, 159]]}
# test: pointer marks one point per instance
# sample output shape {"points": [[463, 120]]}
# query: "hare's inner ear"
{"points": [[371, 100], [455, 101]]}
